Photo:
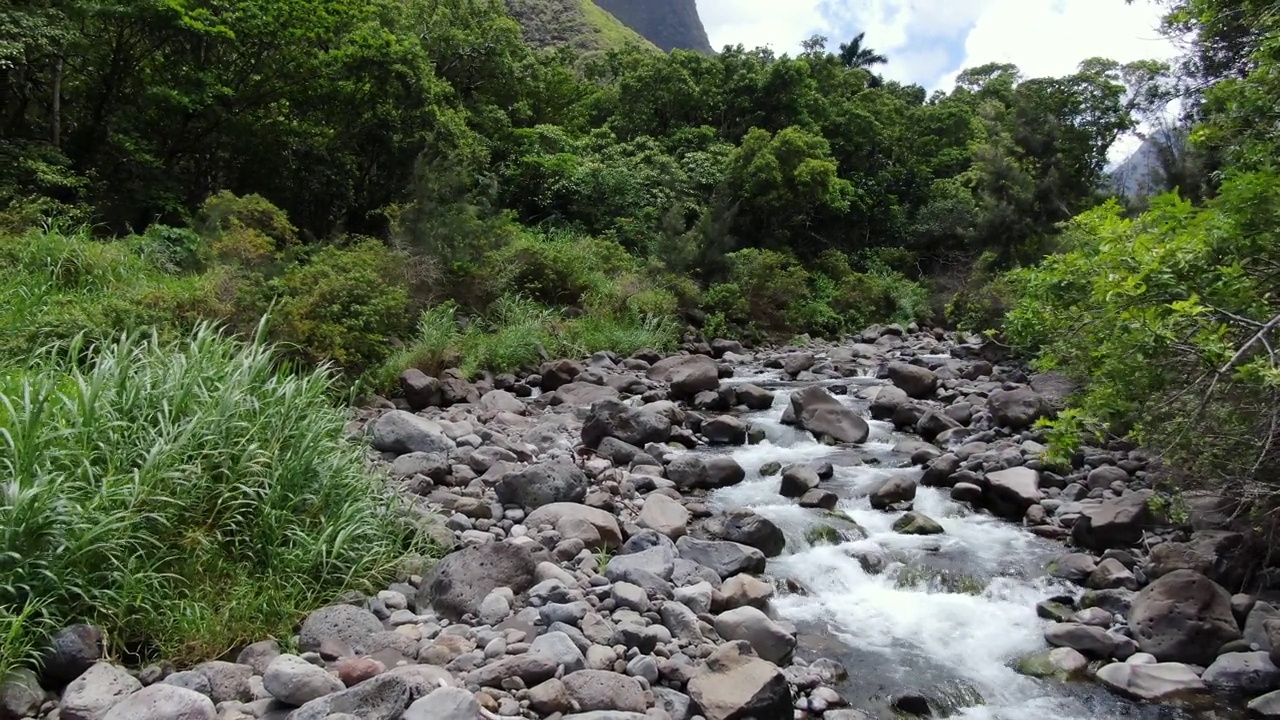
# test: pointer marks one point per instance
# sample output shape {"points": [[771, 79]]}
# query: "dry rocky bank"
{"points": [[591, 579]]}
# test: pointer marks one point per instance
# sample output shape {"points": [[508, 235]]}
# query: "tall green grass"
{"points": [[519, 333], [187, 496]]}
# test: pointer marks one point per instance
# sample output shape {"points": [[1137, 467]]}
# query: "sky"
{"points": [[930, 41]]}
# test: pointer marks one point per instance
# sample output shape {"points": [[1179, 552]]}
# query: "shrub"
{"points": [[186, 496], [342, 305], [557, 270], [763, 287]]}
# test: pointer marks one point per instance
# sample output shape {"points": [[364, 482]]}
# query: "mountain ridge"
{"points": [[669, 24]]}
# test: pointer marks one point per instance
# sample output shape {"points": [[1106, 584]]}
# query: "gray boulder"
{"points": [[1092, 641], [1117, 523], [347, 625], [1183, 617], [1013, 491], [72, 650], [664, 515], [598, 529], [917, 382], [887, 401], [542, 484], [725, 558], [722, 471], [403, 432], [294, 681], [163, 702], [734, 683], [446, 703], [1016, 409], [615, 419], [746, 526], [459, 583], [797, 480], [599, 690], [768, 639], [420, 390], [96, 691], [558, 373], [896, 492], [383, 697], [1246, 674], [754, 397], [817, 411], [1151, 682], [687, 375], [725, 430], [227, 681], [917, 523]]}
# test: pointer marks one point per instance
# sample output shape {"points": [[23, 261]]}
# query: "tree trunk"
{"points": [[55, 114]]}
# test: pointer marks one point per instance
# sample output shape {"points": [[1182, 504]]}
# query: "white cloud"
{"points": [[930, 41]]}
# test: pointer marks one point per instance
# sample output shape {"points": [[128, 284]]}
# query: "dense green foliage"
{"points": [[1171, 317], [186, 496]]}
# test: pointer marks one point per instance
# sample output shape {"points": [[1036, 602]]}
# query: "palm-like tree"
{"points": [[854, 55]]}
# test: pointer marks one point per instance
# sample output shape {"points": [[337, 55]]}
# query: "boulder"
{"points": [[1266, 706], [725, 430], [163, 702], [733, 684], [1013, 491], [1059, 663], [294, 681], [541, 484], [72, 650], [401, 432], [1111, 573], [1117, 523], [96, 691], [1183, 617], [1092, 641], [746, 526], [581, 395], [1151, 682], [796, 363], [228, 682], [1243, 674], [722, 471], [768, 639], [820, 413], [634, 426], [1075, 567], [916, 523], [20, 694], [460, 581], [558, 647], [687, 375], [797, 480], [725, 558], [599, 690], [886, 402], [420, 390], [597, 528], [1016, 409], [754, 397], [446, 703], [384, 697], [896, 492], [558, 373], [346, 625], [917, 382], [664, 515]]}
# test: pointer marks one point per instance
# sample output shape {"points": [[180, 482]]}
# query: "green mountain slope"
{"points": [[579, 24], [669, 24]]}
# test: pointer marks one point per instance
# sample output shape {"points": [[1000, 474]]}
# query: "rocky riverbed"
{"points": [[850, 531]]}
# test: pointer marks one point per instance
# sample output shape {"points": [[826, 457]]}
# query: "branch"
{"points": [[1260, 336]]}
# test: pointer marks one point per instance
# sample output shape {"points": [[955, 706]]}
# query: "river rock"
{"points": [[558, 647], [598, 690], [634, 426], [1147, 682], [894, 493], [1075, 567], [446, 703], [722, 471], [821, 414], [401, 432], [72, 650], [384, 697], [1090, 640], [294, 681], [1110, 573], [1245, 674], [746, 526], [1266, 706], [1059, 663], [558, 373], [734, 683], [1183, 617], [420, 390], [1016, 409], [754, 397], [96, 691], [598, 529], [917, 382], [797, 480], [725, 430], [163, 702], [768, 639], [1013, 491], [458, 583], [917, 523], [532, 668], [542, 484], [798, 362], [687, 375], [664, 515], [725, 558], [1117, 523]]}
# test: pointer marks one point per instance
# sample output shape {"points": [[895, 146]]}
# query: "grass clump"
{"points": [[187, 496]]}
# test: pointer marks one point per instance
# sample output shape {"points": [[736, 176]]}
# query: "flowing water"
{"points": [[948, 615]]}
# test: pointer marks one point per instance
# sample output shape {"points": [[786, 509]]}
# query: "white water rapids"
{"points": [[908, 635]]}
